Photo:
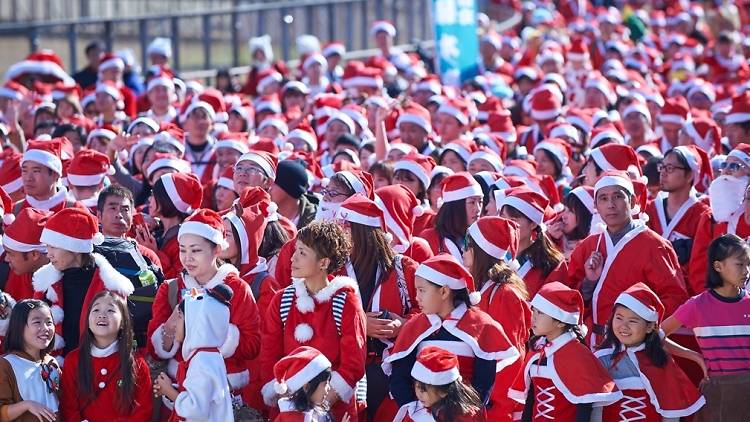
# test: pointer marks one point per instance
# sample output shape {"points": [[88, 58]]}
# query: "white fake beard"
{"points": [[726, 194], [327, 211]]}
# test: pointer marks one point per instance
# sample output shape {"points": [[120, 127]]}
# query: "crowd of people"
{"points": [[562, 237]]}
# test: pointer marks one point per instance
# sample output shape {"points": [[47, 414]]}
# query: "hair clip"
{"points": [[31, 305]]}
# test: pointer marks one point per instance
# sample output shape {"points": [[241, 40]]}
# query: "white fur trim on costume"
{"points": [[57, 314], [343, 389], [224, 271], [545, 114], [59, 343], [44, 278], [326, 293], [269, 393], [455, 113], [230, 344], [736, 118], [238, 380], [111, 278], [280, 387], [304, 301], [303, 333], [157, 341]]}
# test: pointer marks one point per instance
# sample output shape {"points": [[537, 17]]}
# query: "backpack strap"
{"points": [[256, 283], [17, 207], [401, 281], [173, 293], [339, 300], [69, 203], [286, 303]]}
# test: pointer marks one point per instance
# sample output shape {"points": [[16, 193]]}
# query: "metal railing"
{"points": [[217, 38]]}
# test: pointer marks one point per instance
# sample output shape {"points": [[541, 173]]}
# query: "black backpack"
{"points": [[124, 256]]}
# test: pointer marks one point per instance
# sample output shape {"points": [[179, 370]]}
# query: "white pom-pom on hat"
{"points": [[475, 298], [98, 239], [8, 219], [325, 181], [272, 208], [418, 211], [388, 237], [559, 207], [514, 265], [584, 330], [111, 171], [280, 387]]}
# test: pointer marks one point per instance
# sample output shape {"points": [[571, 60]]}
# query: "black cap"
{"points": [[292, 178]]}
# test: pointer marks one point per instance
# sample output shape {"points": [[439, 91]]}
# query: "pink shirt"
{"points": [[722, 328]]}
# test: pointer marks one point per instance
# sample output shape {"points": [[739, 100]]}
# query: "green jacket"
{"points": [[308, 207]]}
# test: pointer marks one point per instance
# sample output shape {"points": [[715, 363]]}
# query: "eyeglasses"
{"points": [[249, 170], [668, 168], [735, 166], [330, 193]]}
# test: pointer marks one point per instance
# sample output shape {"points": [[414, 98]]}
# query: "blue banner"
{"points": [[456, 42]]}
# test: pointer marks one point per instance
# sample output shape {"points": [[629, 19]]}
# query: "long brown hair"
{"points": [[370, 250], [124, 348], [488, 268], [542, 252]]}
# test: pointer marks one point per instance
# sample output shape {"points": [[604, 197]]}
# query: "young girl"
{"points": [[441, 394], [29, 376], [491, 245], [719, 319], [540, 260], [319, 311], [559, 391], [449, 320], [304, 378], [201, 323], [652, 384], [103, 377]]}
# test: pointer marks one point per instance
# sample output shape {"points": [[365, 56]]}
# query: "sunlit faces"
{"points": [[198, 256], [305, 262], [473, 209], [430, 297], [613, 204], [226, 157], [409, 181], [224, 198], [39, 331], [629, 328], [544, 325], [734, 269], [589, 173], [335, 129], [105, 319], [249, 174], [453, 161], [412, 134], [200, 122], [525, 225], [673, 175], [38, 181], [116, 216], [570, 221], [480, 164], [233, 251], [735, 167], [448, 127], [62, 259], [671, 132], [21, 262], [427, 394], [544, 164]]}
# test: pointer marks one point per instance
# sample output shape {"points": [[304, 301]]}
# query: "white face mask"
{"points": [[726, 194], [327, 210]]}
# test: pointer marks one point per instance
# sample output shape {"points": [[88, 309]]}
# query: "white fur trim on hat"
{"points": [[485, 244], [355, 217], [733, 118], [493, 159], [68, 243], [85, 180], [542, 304], [545, 114], [635, 305], [256, 158], [421, 373], [614, 181], [205, 231], [417, 120], [44, 158], [414, 169], [524, 207], [456, 195], [454, 112], [14, 245], [436, 277]]}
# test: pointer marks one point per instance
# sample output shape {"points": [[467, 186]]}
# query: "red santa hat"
{"points": [[545, 105], [23, 234], [365, 77], [267, 77], [460, 186], [400, 207], [360, 181], [305, 135], [614, 178], [110, 88], [419, 165], [298, 368], [334, 48], [496, 236], [676, 110], [151, 123], [559, 302], [521, 168], [72, 229], [89, 168], [559, 149], [10, 173], [264, 160], [699, 164], [165, 160], [637, 107], [101, 132], [14, 91], [500, 123], [361, 210], [110, 61], [457, 108], [207, 224], [463, 147], [740, 111], [607, 133], [528, 202], [44, 62], [415, 113], [741, 152], [580, 118], [6, 207], [565, 129], [488, 155], [600, 83], [226, 180], [383, 26], [704, 132], [616, 157], [435, 366], [235, 141], [640, 299], [578, 50], [267, 104], [184, 190], [429, 83], [444, 270], [46, 153], [250, 226]]}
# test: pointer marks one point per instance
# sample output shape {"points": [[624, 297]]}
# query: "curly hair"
{"points": [[328, 240]]}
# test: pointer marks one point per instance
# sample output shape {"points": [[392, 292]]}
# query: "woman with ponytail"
{"points": [[540, 260]]}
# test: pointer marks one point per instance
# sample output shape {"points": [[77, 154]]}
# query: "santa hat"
{"points": [[496, 236], [343, 118], [704, 132], [23, 234], [419, 165], [383, 26], [101, 132], [360, 181], [160, 81], [165, 160], [578, 51], [488, 155], [227, 180], [500, 123], [88, 168], [110, 61], [528, 202], [444, 270], [640, 299], [334, 48], [14, 91], [264, 160], [305, 135], [676, 110], [72, 229], [463, 147], [295, 86], [429, 83], [44, 62], [460, 186], [521, 168], [366, 77], [207, 224], [600, 83], [559, 149], [637, 107], [184, 190], [400, 208], [161, 46], [211, 100], [361, 210], [741, 152], [699, 164], [616, 157], [235, 141], [298, 368], [46, 153], [614, 178], [565, 129], [250, 226], [607, 133], [559, 302], [151, 123], [267, 77], [10, 173], [6, 207], [275, 120], [316, 58], [435, 366], [267, 104], [415, 113], [740, 111], [545, 105], [262, 43], [457, 108], [649, 150]]}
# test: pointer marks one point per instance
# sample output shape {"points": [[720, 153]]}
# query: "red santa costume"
{"points": [[332, 321], [74, 230], [556, 390], [498, 237], [456, 187], [89, 168], [46, 153], [624, 264], [243, 339], [482, 347], [400, 208], [106, 383], [23, 236], [650, 393], [533, 206], [291, 373]]}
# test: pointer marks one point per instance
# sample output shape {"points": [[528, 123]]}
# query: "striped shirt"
{"points": [[722, 328]]}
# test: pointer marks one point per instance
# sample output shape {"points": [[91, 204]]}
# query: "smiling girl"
{"points": [[104, 379], [29, 376], [304, 376]]}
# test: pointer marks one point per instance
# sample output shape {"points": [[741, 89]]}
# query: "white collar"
{"points": [[306, 303], [260, 265], [107, 351], [559, 342], [218, 278], [47, 204]]}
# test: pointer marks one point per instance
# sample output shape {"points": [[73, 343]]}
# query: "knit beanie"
{"points": [[292, 178]]}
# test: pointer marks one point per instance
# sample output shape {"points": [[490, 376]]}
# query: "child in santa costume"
{"points": [[321, 312], [441, 393], [104, 379], [386, 286], [304, 378], [654, 388], [202, 323], [561, 379], [75, 274], [491, 246], [201, 239], [450, 320]]}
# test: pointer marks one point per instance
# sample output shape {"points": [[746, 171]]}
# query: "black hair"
{"points": [[542, 252], [533, 342], [62, 129], [459, 400], [721, 248], [651, 170], [558, 165], [345, 154], [447, 150], [274, 237], [93, 45], [19, 318], [113, 190], [654, 348], [348, 139], [485, 189], [744, 125], [301, 399], [681, 159], [166, 206], [460, 296], [451, 222], [422, 194], [583, 217]]}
